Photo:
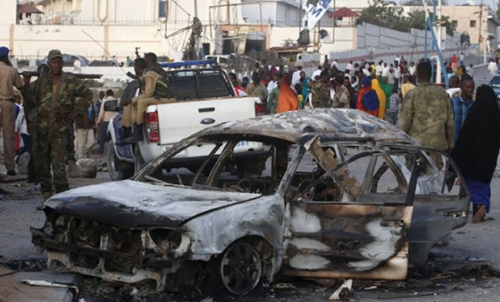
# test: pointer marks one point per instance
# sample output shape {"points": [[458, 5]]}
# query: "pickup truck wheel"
{"points": [[138, 160], [117, 169], [240, 268]]}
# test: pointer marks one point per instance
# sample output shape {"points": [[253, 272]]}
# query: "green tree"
{"points": [[383, 14]]}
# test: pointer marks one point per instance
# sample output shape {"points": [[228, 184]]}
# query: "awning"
{"points": [[344, 12], [27, 9]]}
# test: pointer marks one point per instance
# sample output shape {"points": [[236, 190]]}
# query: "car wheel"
{"points": [[117, 169], [138, 160], [240, 268]]}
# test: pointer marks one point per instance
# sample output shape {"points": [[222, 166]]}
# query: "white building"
{"points": [[101, 29]]}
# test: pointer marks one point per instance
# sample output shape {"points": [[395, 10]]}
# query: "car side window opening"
{"points": [[233, 165], [435, 181], [364, 174], [244, 167]]}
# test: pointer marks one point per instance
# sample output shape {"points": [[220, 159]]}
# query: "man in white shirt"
{"points": [[397, 77], [493, 68], [335, 64], [272, 84], [104, 118], [296, 76], [350, 67], [412, 70], [317, 72], [385, 70], [397, 59]]}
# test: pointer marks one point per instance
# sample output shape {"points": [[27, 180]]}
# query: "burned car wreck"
{"points": [[319, 193]]}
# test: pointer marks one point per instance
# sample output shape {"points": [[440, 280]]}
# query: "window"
{"points": [[162, 9], [472, 23], [237, 165], [454, 24]]}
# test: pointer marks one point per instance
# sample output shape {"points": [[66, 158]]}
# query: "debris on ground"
{"points": [[283, 286], [474, 259], [44, 283], [343, 292]]}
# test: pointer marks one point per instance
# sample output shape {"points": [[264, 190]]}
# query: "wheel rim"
{"points": [[114, 174], [241, 268]]}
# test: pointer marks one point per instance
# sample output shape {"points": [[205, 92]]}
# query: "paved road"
{"points": [[476, 241]]}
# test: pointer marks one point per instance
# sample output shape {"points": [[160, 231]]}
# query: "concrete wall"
{"points": [[377, 43], [8, 15], [27, 41]]}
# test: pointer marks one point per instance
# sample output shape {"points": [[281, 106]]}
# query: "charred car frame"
{"points": [[332, 193]]}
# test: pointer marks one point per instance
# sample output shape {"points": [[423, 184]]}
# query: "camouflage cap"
{"points": [[54, 53]]}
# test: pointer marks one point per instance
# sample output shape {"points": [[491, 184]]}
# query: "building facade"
{"points": [[105, 29]]}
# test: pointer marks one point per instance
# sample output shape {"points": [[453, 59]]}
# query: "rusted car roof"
{"points": [[332, 123]]}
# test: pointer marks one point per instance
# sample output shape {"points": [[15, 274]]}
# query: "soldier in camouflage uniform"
{"points": [[154, 90], [427, 115], [53, 100], [321, 91], [257, 89]]}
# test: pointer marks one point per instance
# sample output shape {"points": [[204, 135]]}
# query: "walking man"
{"points": [[426, 114], [8, 79], [104, 118], [84, 132], [53, 99], [461, 104]]}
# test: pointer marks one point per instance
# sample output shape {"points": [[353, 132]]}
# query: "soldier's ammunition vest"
{"points": [[161, 88]]}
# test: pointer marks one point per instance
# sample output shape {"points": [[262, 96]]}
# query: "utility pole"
{"points": [[334, 21], [300, 17], [439, 70], [481, 38]]}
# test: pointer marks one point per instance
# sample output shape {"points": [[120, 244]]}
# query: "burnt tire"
{"points": [[240, 268], [117, 169]]}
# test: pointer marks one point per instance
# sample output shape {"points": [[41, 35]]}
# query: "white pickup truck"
{"points": [[205, 98]]}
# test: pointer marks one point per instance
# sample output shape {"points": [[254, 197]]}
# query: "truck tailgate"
{"points": [[181, 119]]}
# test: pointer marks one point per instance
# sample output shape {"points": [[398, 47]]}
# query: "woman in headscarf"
{"points": [[365, 89], [287, 99], [381, 98], [476, 150]]}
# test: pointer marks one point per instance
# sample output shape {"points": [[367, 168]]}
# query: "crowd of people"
{"points": [[376, 88], [457, 120], [57, 121]]}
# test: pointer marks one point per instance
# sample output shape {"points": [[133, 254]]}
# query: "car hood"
{"points": [[497, 90], [133, 204]]}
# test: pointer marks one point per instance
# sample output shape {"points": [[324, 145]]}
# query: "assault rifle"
{"points": [[78, 75]]}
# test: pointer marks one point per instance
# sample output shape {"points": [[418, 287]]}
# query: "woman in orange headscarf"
{"points": [[381, 98], [287, 98]]}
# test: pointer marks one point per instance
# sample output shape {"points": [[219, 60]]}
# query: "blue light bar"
{"points": [[187, 63]]}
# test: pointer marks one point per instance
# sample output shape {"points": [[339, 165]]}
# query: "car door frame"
{"points": [[394, 268]]}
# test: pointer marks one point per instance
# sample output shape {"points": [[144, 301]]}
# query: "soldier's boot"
{"points": [[137, 134], [72, 169], [46, 195], [127, 132]]}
